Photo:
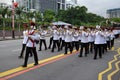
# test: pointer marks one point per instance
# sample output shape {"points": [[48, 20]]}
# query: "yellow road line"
{"points": [[117, 69], [100, 75], [29, 65]]}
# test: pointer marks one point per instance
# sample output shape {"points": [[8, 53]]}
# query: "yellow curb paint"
{"points": [[2, 74], [117, 69], [100, 75]]}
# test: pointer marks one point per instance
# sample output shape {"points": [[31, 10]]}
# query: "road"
{"points": [[57, 66]]}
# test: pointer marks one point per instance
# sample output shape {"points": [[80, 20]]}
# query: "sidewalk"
{"points": [[10, 38]]}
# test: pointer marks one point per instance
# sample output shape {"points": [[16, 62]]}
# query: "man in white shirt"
{"points": [[55, 39], [31, 45], [25, 38], [84, 42], [99, 35], [68, 39], [43, 34]]}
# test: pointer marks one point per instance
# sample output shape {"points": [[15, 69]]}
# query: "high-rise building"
{"points": [[113, 13], [71, 3], [75, 1], [42, 5]]}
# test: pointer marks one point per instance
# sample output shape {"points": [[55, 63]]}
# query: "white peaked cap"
{"points": [[54, 27], [66, 27], [81, 27], [97, 27]]}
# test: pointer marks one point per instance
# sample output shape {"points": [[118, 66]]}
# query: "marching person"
{"points": [[25, 38], [98, 42], [84, 42], [62, 33], [68, 39], [50, 31], [42, 33], [31, 45], [75, 39], [55, 39], [112, 38], [91, 39]]}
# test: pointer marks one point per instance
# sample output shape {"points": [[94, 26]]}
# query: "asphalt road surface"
{"points": [[56, 65]]}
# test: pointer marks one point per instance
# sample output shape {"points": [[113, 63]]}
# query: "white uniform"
{"points": [[25, 37], [34, 37], [84, 37], [68, 36], [55, 35]]}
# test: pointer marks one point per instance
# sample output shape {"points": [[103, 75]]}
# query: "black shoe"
{"points": [[65, 53], [39, 50], [94, 58], [24, 65], [21, 57], [52, 51], [58, 50], [45, 48], [79, 55], [48, 47], [35, 64]]}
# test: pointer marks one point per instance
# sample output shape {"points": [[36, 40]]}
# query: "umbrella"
{"points": [[61, 23]]}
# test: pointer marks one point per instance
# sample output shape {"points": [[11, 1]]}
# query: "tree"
{"points": [[49, 15]]}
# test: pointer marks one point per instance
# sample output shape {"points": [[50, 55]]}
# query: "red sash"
{"points": [[31, 38]]}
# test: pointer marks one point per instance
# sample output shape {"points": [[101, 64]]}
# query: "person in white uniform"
{"points": [[84, 42], [31, 45], [25, 38], [43, 34], [68, 39]]}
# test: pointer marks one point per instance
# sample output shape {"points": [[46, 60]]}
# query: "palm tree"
{"points": [[4, 12]]}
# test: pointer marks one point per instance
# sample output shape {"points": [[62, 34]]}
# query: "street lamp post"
{"points": [[13, 25]]}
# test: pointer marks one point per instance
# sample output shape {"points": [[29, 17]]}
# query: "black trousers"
{"points": [[28, 50], [75, 44], [108, 45], [62, 44], [91, 46], [84, 45], [55, 42], [68, 45], [112, 43], [98, 48], [44, 42], [103, 48], [51, 40], [23, 49]]}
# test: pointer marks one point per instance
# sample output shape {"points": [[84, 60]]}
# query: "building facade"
{"points": [[42, 5], [113, 13], [71, 3]]}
